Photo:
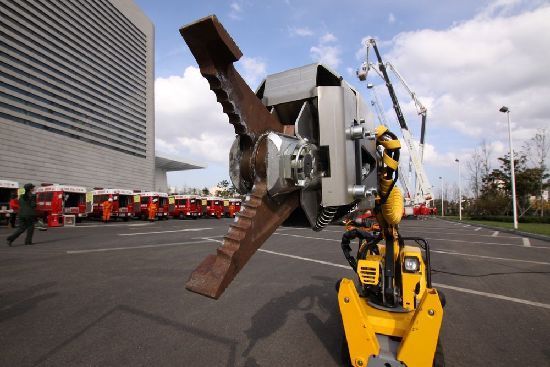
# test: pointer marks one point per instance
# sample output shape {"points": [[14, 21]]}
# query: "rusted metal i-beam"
{"points": [[215, 52]]}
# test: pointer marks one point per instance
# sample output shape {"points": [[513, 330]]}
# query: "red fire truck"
{"points": [[214, 207], [123, 203], [55, 201], [233, 208], [203, 205], [185, 206], [7, 189], [422, 210], [148, 197]]}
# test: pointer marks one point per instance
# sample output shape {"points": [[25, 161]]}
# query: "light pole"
{"points": [[506, 110], [442, 198], [459, 191]]}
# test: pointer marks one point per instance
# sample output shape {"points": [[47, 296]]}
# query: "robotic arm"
{"points": [[305, 151]]}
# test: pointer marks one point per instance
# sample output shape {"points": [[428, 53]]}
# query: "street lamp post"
{"points": [[459, 191], [442, 198], [506, 110]]}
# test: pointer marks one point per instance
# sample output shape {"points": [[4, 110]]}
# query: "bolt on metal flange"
{"points": [[355, 132]]}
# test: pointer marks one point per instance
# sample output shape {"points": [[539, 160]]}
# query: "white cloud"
{"points": [[361, 52], [500, 8], [328, 38], [253, 70], [391, 18], [326, 52], [328, 55], [163, 146], [236, 11], [189, 121], [236, 7], [302, 32], [214, 147], [465, 73], [431, 155]]}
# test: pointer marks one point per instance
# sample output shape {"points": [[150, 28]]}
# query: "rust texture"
{"points": [[215, 52]]}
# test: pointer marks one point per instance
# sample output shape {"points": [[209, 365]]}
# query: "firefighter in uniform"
{"points": [[27, 216], [152, 209], [107, 209]]}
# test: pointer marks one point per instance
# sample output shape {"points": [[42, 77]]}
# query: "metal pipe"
{"points": [[442, 198], [512, 168], [459, 192]]}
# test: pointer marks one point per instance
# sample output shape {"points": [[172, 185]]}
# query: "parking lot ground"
{"points": [[113, 295]]}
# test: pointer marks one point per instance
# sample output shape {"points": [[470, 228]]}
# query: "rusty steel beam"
{"points": [[215, 52]]}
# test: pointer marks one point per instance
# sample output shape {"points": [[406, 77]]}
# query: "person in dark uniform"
{"points": [[27, 216]]}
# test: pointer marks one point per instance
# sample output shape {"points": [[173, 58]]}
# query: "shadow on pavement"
{"points": [[273, 315], [152, 317], [19, 302]]}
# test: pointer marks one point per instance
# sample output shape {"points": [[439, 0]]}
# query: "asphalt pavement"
{"points": [[113, 295]]}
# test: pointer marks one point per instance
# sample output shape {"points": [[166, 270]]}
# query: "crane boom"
{"points": [[423, 182], [422, 111]]}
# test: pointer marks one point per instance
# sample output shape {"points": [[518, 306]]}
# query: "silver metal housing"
{"points": [[332, 156]]}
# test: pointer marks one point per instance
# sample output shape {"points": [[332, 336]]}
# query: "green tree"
{"points": [[205, 191], [226, 189], [222, 186], [537, 149], [496, 192]]}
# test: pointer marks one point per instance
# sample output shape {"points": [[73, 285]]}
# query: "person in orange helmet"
{"points": [[107, 209], [152, 209]]}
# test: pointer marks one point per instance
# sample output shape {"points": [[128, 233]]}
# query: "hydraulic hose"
{"points": [[389, 206], [391, 198], [349, 236]]}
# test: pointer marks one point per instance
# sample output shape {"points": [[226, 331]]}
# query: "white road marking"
{"points": [[485, 243], [444, 286], [477, 229], [438, 251], [495, 233], [305, 259], [407, 229], [526, 242], [466, 226], [307, 237], [211, 239], [309, 229], [108, 225], [179, 230], [131, 247], [434, 239], [489, 257], [492, 295]]}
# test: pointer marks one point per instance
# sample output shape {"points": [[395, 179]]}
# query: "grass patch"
{"points": [[537, 228]]}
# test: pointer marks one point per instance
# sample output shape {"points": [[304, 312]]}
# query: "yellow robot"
{"points": [[393, 318], [305, 153]]}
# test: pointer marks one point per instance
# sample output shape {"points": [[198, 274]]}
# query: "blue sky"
{"points": [[464, 59]]}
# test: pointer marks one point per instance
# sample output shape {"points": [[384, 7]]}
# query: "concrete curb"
{"points": [[506, 230]]}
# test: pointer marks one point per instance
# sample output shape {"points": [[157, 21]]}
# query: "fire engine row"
{"points": [[54, 202]]}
